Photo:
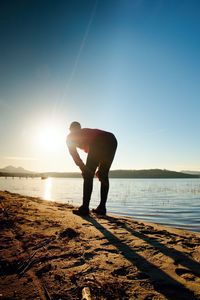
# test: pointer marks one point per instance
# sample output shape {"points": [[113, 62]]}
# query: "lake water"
{"points": [[173, 202]]}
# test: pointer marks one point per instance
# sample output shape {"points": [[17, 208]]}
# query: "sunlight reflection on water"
{"points": [[47, 189]]}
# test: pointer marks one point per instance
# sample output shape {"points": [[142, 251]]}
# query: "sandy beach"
{"points": [[47, 252]]}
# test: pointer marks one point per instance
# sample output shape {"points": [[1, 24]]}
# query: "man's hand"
{"points": [[86, 172], [83, 169], [97, 173]]}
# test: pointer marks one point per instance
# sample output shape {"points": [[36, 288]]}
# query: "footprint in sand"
{"points": [[122, 271], [107, 250], [187, 274], [87, 225], [137, 276], [68, 233], [99, 238], [8, 268], [7, 224], [190, 244], [130, 273], [44, 269]]}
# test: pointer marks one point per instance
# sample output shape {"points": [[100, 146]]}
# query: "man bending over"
{"points": [[101, 147]]}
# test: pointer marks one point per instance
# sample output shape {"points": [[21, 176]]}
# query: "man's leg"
{"points": [[87, 188], [103, 171], [88, 176], [104, 189]]}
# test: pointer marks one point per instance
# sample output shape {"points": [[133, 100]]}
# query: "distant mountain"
{"points": [[150, 173], [14, 170], [191, 172]]}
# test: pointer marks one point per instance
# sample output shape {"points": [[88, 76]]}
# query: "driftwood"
{"points": [[25, 265], [86, 295], [46, 292]]}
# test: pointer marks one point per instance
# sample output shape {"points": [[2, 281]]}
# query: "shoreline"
{"points": [[173, 214], [173, 226], [47, 252]]}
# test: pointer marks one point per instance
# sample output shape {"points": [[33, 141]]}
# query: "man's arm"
{"points": [[72, 150]]}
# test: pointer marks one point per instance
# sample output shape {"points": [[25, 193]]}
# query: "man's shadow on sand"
{"points": [[162, 282]]}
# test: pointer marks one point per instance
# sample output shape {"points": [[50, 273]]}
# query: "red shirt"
{"points": [[82, 139]]}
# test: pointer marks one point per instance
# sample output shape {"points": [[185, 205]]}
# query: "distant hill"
{"points": [[151, 173], [11, 169], [191, 172]]}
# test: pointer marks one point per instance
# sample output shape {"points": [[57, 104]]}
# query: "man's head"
{"points": [[75, 126]]}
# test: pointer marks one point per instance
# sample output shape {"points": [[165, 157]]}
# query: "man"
{"points": [[101, 147]]}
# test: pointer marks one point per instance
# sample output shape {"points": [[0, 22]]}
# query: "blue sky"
{"points": [[127, 66]]}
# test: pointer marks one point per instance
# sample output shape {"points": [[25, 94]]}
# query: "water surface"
{"points": [[173, 202]]}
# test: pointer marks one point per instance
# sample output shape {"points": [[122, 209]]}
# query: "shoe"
{"points": [[99, 211], [81, 211]]}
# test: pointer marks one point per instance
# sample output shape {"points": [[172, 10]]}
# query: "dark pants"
{"points": [[101, 154]]}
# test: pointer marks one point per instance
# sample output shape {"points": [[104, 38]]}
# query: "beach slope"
{"points": [[47, 252]]}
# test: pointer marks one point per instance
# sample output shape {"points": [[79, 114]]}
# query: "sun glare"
{"points": [[49, 138]]}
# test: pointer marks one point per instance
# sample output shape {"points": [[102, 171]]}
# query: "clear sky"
{"points": [[131, 67]]}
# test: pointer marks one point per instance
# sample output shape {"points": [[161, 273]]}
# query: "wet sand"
{"points": [[47, 252]]}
